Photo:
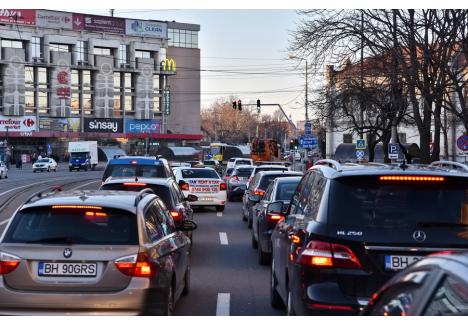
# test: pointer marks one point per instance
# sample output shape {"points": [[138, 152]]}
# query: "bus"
{"points": [[264, 150], [223, 152]]}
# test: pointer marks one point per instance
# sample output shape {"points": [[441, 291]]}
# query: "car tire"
{"points": [[220, 208], [34, 171], [275, 299], [253, 241], [6, 176], [186, 289], [48, 169], [70, 169], [86, 168], [55, 170], [249, 221], [263, 257]]}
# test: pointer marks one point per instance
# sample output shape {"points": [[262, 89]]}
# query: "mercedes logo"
{"points": [[67, 253], [419, 235]]}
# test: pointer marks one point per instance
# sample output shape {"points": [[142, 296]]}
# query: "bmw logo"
{"points": [[67, 253]]}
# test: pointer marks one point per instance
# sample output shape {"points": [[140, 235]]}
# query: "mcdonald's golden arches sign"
{"points": [[168, 64]]}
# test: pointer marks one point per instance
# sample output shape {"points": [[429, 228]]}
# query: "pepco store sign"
{"points": [[20, 124]]}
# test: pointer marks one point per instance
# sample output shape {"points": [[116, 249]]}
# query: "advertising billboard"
{"points": [[140, 126], [54, 19], [103, 125], [60, 124], [18, 16], [14, 123], [145, 28], [99, 23]]}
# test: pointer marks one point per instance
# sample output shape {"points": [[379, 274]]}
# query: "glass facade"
{"points": [[142, 54], [43, 98], [87, 92], [82, 51], [75, 92], [123, 54], [102, 51], [117, 95], [36, 47], [128, 94], [12, 44], [59, 47], [182, 38]]}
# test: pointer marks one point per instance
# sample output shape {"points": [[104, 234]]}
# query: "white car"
{"points": [[259, 168], [205, 183], [3, 170], [238, 161], [45, 164]]}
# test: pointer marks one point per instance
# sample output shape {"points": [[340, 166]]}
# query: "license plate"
{"points": [[204, 198], [67, 269], [396, 263]]}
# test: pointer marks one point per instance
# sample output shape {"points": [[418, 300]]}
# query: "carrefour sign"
{"points": [[140, 126], [145, 28], [15, 123]]}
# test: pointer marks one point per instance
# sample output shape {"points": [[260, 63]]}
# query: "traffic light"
{"points": [[293, 143], [239, 105], [234, 105], [258, 106]]}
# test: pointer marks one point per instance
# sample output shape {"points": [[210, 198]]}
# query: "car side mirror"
{"points": [[254, 198], [275, 207], [188, 225], [191, 198]]}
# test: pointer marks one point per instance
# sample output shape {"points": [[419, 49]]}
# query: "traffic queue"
{"points": [[340, 239]]}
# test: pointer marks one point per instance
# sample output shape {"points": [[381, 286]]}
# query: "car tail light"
{"points": [[184, 185], [176, 215], [134, 184], [330, 307], [222, 186], [325, 254], [136, 265], [259, 192], [275, 217], [8, 263], [235, 177], [411, 178]]}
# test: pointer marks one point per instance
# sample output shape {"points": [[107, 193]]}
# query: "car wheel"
{"points": [[253, 241], [289, 307], [249, 220], [48, 169], [55, 170], [6, 176], [275, 299], [220, 208], [70, 169], [86, 168], [186, 289], [34, 171], [263, 257]]}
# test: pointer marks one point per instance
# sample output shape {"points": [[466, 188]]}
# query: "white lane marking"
{"points": [[220, 214], [84, 185], [223, 238], [222, 305]]}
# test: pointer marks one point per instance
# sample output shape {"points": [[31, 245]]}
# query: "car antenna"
{"points": [[403, 165]]}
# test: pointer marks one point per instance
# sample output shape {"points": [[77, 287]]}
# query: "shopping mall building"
{"points": [[72, 76]]}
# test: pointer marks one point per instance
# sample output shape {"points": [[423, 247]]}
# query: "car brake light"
{"points": [[324, 254], [259, 192], [330, 307], [136, 265], [411, 178], [176, 215], [134, 184], [235, 177], [95, 214], [8, 263], [184, 185], [76, 207], [274, 217], [222, 186]]}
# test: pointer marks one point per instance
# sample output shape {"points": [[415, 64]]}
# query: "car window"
{"points": [[285, 190], [244, 172], [367, 201], [243, 162], [317, 189], [178, 196], [296, 206], [152, 226], [199, 174], [77, 226], [397, 301], [228, 171], [160, 190], [135, 170], [254, 182], [267, 179], [163, 218], [450, 298], [269, 190]]}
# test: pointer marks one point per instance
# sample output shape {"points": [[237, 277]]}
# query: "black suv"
{"points": [[350, 228]]}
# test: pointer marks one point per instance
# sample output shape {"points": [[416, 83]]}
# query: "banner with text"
{"points": [[14, 123], [139, 126]]}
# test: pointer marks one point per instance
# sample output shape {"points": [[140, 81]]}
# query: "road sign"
{"points": [[462, 142], [361, 144], [308, 128], [308, 142], [393, 151], [167, 101], [360, 154], [49, 149]]}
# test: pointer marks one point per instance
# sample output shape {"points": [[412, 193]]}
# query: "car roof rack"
{"points": [[331, 163], [142, 194], [43, 193]]}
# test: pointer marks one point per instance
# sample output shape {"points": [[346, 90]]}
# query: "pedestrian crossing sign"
{"points": [[361, 144]]}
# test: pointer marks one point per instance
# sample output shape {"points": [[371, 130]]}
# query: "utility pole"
{"points": [[361, 132], [112, 12], [306, 93]]}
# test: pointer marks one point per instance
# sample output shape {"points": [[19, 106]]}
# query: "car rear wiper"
{"points": [[441, 224], [66, 240]]}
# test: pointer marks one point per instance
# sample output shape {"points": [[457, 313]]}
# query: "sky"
{"points": [[248, 50]]}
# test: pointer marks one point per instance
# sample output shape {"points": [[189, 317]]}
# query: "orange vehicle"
{"points": [[264, 150]]}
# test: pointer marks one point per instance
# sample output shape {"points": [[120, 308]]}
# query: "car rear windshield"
{"points": [[267, 179], [229, 171], [369, 202], [135, 170], [243, 162], [209, 162], [285, 190], [43, 160], [47, 225], [270, 169], [160, 190], [244, 172], [199, 174]]}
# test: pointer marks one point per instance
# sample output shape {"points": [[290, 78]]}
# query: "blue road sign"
{"points": [[308, 142], [462, 143], [308, 129], [361, 144], [393, 151], [360, 154]]}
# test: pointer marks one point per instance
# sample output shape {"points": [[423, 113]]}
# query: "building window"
{"points": [[59, 47], [123, 55], [82, 51], [12, 44], [128, 93], [347, 138], [87, 92], [30, 108], [182, 38], [102, 51], [75, 95], [143, 54], [42, 85], [36, 47], [117, 95]]}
